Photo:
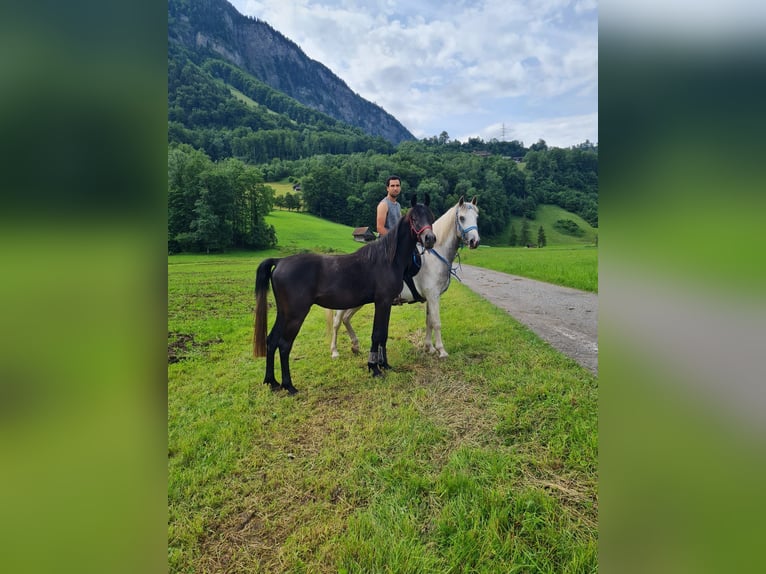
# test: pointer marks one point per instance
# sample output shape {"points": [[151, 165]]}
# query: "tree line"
{"points": [[346, 188], [215, 206]]}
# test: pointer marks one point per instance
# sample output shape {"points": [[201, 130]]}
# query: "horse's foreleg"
{"points": [[429, 346], [433, 322], [379, 338]]}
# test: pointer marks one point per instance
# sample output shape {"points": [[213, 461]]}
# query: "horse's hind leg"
{"points": [[271, 348], [343, 316], [285, 345], [351, 333]]}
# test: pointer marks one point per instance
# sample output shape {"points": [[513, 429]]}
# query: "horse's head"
{"points": [[421, 220], [467, 221]]}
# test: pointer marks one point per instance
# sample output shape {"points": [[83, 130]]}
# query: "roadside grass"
{"points": [[570, 266], [483, 462]]}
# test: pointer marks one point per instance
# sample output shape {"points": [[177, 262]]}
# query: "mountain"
{"points": [[214, 28]]}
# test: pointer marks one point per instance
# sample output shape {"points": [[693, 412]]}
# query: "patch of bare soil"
{"points": [[181, 345]]}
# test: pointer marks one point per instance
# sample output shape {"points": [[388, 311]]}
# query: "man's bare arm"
{"points": [[381, 219]]}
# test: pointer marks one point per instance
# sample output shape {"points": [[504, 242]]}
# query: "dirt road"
{"points": [[566, 318]]}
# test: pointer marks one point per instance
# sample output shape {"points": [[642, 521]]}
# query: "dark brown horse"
{"points": [[373, 274]]}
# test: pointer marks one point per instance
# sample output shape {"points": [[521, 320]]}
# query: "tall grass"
{"points": [[482, 462]]}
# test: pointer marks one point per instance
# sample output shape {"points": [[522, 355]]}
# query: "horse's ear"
{"points": [[474, 200], [427, 202], [414, 200], [461, 201]]}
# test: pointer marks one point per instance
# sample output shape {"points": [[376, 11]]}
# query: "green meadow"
{"points": [[571, 266], [485, 461]]}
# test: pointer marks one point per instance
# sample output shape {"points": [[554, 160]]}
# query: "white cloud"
{"points": [[438, 65], [564, 131]]}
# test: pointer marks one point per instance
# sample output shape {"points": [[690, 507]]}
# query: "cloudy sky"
{"points": [[508, 69]]}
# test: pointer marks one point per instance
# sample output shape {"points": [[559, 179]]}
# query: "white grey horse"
{"points": [[458, 225]]}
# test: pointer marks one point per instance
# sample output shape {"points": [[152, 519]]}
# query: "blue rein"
{"points": [[452, 270]]}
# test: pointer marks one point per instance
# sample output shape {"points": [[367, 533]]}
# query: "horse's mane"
{"points": [[384, 248], [443, 226]]}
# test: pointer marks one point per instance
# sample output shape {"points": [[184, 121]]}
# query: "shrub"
{"points": [[569, 227]]}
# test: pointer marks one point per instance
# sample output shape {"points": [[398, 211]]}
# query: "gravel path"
{"points": [[566, 318]]}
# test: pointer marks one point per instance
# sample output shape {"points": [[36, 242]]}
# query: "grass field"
{"points": [[484, 462], [301, 231]]}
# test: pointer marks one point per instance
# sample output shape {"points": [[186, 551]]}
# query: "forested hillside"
{"points": [[225, 112], [229, 134]]}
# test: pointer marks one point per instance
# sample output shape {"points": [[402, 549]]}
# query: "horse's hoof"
{"points": [[443, 354], [376, 372], [290, 389]]}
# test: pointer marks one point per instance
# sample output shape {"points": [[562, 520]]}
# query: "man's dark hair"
{"points": [[390, 177]]}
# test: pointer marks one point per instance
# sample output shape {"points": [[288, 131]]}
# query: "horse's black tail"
{"points": [[262, 278]]}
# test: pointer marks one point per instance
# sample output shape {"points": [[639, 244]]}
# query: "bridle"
{"points": [[463, 234], [463, 231], [417, 232]]}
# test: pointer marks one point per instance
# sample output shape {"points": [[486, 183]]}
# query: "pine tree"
{"points": [[541, 237], [525, 240], [512, 237]]}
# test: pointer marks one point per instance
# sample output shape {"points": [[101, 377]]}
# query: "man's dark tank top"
{"points": [[394, 213]]}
